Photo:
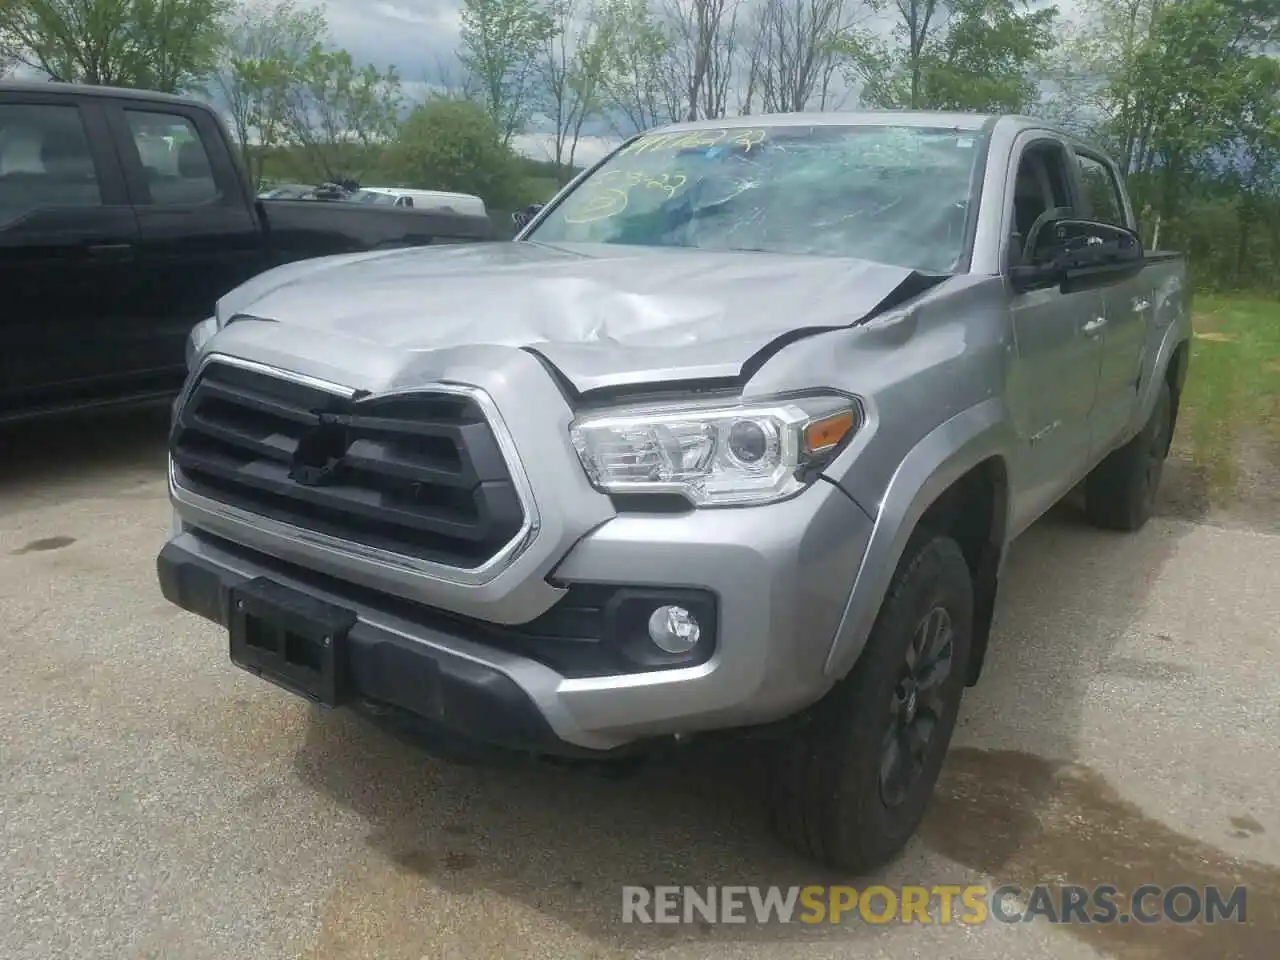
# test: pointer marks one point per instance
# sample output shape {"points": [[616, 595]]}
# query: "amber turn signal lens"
{"points": [[826, 433]]}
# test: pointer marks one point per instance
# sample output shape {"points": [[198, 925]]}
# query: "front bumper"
{"points": [[780, 575], [424, 678]]}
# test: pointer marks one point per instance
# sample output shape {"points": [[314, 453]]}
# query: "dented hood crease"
{"points": [[603, 316]]}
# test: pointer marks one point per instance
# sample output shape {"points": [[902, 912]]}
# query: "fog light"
{"points": [[674, 629]]}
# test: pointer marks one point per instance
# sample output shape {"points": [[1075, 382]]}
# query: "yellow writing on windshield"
{"points": [[599, 205], [608, 194], [692, 140], [669, 183]]}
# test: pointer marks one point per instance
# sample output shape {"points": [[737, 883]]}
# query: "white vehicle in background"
{"points": [[464, 203]]}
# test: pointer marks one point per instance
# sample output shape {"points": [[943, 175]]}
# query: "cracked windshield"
{"points": [[895, 194]]}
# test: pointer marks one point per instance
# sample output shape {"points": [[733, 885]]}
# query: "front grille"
{"points": [[420, 475]]}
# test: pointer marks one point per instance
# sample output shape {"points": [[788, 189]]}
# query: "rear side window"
{"points": [[1102, 190], [173, 157], [45, 160]]}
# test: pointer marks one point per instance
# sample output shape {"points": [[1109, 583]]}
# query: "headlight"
{"points": [[715, 455]]}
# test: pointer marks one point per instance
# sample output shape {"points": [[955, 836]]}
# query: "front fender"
{"points": [[941, 458], [197, 338]]}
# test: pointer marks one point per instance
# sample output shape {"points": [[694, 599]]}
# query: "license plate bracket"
{"points": [[291, 639]]}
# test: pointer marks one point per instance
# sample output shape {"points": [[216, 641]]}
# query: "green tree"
{"points": [[167, 45], [1256, 176], [1184, 94], [453, 144], [570, 67], [1188, 80], [790, 56], [7, 56], [501, 40], [262, 61], [640, 83], [987, 59], [979, 55], [337, 114], [893, 72]]}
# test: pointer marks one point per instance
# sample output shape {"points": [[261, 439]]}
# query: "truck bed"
{"points": [[305, 228]]}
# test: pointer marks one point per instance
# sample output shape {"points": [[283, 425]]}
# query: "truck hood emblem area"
{"points": [[603, 316], [320, 451]]}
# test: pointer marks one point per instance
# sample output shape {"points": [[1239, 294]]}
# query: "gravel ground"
{"points": [[156, 802]]}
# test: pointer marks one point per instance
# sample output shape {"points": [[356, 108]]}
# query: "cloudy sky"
{"points": [[421, 38], [418, 36]]}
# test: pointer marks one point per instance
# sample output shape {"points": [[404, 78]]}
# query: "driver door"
{"points": [[1055, 369]]}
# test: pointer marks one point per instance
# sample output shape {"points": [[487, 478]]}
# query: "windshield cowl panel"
{"points": [[893, 194]]}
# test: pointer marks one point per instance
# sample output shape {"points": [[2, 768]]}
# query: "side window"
{"points": [[173, 158], [1041, 185], [1102, 191], [45, 159]]}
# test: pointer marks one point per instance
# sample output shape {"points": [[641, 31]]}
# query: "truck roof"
{"points": [[91, 90], [913, 118], [1011, 124]]}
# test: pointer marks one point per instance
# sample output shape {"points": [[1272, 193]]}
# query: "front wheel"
{"points": [[853, 783]]}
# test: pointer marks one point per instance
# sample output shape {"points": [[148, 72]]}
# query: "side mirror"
{"points": [[1075, 254], [521, 218], [1026, 277]]}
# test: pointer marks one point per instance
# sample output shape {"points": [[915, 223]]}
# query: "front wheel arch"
{"points": [[971, 444]]}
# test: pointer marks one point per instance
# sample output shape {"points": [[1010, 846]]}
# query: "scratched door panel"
{"points": [[1053, 388]]}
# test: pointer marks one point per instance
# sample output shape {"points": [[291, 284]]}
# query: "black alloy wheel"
{"points": [[916, 706]]}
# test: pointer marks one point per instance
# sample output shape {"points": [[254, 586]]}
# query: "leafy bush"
{"points": [[451, 144]]}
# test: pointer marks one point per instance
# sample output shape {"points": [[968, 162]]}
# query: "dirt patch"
{"points": [[1238, 488], [1029, 821], [1246, 826], [44, 544], [1185, 490], [1214, 337]]}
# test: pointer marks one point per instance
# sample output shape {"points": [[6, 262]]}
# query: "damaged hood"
{"points": [[602, 315]]}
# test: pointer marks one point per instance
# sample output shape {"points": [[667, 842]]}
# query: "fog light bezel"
{"points": [[626, 619]]}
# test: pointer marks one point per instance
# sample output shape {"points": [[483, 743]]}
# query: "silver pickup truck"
{"points": [[733, 438]]}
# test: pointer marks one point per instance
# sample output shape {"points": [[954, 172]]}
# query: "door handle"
{"points": [[111, 251]]}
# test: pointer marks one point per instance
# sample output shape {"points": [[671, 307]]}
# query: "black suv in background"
{"points": [[124, 216]]}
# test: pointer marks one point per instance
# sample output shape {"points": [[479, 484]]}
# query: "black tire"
{"points": [[828, 800], [1120, 492]]}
